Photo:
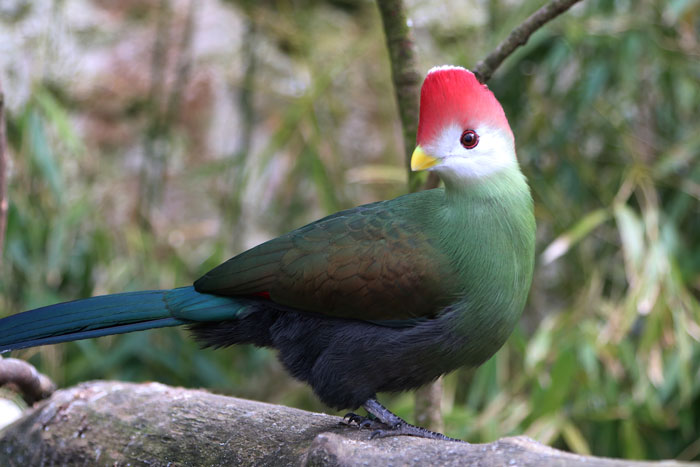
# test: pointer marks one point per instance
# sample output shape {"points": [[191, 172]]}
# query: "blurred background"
{"points": [[151, 140]]}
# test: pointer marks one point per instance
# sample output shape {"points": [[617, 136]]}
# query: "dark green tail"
{"points": [[117, 314]]}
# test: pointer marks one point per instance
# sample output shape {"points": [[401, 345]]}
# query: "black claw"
{"points": [[363, 423], [366, 423], [351, 418]]}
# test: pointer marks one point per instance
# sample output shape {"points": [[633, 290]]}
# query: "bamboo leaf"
{"points": [[564, 242], [43, 154], [575, 439], [631, 232]]}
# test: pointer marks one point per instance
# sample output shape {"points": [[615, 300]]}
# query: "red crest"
{"points": [[453, 96]]}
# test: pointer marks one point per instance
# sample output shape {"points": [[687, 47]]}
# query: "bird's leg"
{"points": [[396, 426]]}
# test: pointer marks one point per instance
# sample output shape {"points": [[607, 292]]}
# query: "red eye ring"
{"points": [[469, 139]]}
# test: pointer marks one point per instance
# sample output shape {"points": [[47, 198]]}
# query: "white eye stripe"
{"points": [[446, 142]]}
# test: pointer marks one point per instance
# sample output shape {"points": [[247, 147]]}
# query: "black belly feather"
{"points": [[345, 361]]}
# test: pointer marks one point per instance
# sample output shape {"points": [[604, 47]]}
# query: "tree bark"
{"points": [[3, 174], [428, 406], [114, 423], [403, 75], [32, 385]]}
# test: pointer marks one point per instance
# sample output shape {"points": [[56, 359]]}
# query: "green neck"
{"points": [[507, 183], [488, 228]]}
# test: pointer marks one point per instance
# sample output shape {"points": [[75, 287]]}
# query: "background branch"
{"points": [[404, 76], [3, 174], [519, 36], [164, 109], [183, 66], [29, 383], [154, 143]]}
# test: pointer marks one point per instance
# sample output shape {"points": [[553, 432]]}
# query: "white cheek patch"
{"points": [[447, 143], [494, 152]]}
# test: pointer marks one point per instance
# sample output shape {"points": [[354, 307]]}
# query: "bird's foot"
{"points": [[393, 425], [366, 423]]}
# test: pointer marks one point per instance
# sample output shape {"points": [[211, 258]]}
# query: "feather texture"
{"points": [[116, 314], [378, 261]]}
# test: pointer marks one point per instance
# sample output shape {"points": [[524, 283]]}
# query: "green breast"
{"points": [[489, 232], [402, 260]]}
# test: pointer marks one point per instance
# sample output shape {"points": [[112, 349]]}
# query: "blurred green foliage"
{"points": [[605, 106]]}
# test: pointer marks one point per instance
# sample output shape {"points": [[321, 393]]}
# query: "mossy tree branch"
{"points": [[404, 76], [114, 423]]}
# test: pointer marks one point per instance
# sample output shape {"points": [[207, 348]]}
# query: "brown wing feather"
{"points": [[372, 262]]}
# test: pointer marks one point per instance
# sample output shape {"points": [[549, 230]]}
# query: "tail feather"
{"points": [[116, 314], [6, 346]]}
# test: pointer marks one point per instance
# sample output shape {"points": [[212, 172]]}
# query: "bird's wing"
{"points": [[373, 262]]}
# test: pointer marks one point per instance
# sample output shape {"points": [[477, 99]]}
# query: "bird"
{"points": [[383, 297]]}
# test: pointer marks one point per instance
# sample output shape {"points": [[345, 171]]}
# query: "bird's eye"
{"points": [[469, 139]]}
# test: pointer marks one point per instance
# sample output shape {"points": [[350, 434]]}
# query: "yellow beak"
{"points": [[421, 161]]}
